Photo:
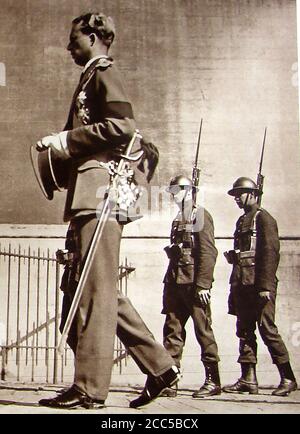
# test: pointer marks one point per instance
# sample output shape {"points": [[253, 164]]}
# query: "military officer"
{"points": [[188, 282], [253, 290], [100, 125]]}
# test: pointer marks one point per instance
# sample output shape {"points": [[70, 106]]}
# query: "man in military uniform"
{"points": [[100, 125], [188, 282], [252, 298]]}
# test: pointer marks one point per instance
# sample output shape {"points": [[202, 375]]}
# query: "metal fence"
{"points": [[30, 316]]}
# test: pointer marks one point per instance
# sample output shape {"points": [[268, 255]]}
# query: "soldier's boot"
{"points": [[288, 381], [212, 385], [247, 382]]}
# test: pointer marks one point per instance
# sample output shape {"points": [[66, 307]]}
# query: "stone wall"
{"points": [[231, 63]]}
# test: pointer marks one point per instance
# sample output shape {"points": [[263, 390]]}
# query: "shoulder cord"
{"points": [[90, 75]]}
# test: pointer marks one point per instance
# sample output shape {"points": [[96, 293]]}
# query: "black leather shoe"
{"points": [[169, 392], [208, 389], [72, 398], [242, 386], [155, 385], [285, 387]]}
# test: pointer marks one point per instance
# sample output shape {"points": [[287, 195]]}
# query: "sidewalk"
{"points": [[19, 398]]}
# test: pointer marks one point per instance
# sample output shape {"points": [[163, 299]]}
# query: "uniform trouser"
{"points": [[102, 312], [179, 304], [251, 313]]}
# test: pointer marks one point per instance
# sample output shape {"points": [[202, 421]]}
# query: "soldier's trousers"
{"points": [[179, 304], [102, 312], [249, 314]]}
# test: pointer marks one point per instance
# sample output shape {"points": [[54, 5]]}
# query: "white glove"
{"points": [[57, 142]]}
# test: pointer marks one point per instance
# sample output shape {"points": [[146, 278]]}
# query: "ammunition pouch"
{"points": [[247, 264], [65, 257], [186, 257], [174, 251], [246, 261], [232, 256]]}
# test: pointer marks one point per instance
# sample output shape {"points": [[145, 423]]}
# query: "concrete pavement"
{"points": [[20, 398]]}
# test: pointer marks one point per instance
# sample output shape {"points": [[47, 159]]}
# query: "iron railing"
{"points": [[30, 316]]}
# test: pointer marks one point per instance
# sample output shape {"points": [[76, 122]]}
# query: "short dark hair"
{"points": [[98, 23]]}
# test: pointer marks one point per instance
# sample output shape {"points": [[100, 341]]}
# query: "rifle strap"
{"points": [[253, 229]]}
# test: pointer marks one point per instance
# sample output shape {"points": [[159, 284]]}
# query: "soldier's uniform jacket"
{"points": [[100, 119], [259, 271], [196, 254]]}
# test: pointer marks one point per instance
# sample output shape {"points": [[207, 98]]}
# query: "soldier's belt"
{"points": [[176, 251], [236, 257]]}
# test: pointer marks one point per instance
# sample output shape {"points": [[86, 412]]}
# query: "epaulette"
{"points": [[104, 62]]}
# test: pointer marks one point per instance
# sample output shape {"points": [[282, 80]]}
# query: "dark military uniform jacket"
{"points": [[259, 270], [100, 119], [195, 253]]}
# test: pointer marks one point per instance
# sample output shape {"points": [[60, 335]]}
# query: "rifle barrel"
{"points": [[198, 145], [260, 177], [262, 151]]}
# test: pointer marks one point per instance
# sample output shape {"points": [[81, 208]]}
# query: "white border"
{"points": [[298, 45]]}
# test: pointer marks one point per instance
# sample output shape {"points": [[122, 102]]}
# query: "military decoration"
{"points": [[124, 191], [83, 112]]}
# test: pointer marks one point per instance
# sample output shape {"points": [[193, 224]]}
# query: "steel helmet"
{"points": [[179, 181], [243, 184]]}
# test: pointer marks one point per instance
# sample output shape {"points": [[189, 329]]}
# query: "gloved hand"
{"points": [[203, 295], [48, 142], [151, 155], [119, 149], [54, 142]]}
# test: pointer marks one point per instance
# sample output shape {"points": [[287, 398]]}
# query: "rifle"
{"points": [[105, 213], [196, 170], [260, 177]]}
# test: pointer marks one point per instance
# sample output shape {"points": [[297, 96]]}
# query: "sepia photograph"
{"points": [[149, 227]]}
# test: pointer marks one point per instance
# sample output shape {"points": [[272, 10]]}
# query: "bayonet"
{"points": [[196, 170], [260, 177]]}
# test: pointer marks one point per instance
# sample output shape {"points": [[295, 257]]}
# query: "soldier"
{"points": [[253, 290], [99, 126], [188, 281]]}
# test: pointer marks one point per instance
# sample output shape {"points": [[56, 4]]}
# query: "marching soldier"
{"points": [[253, 290], [188, 281], [99, 126]]}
